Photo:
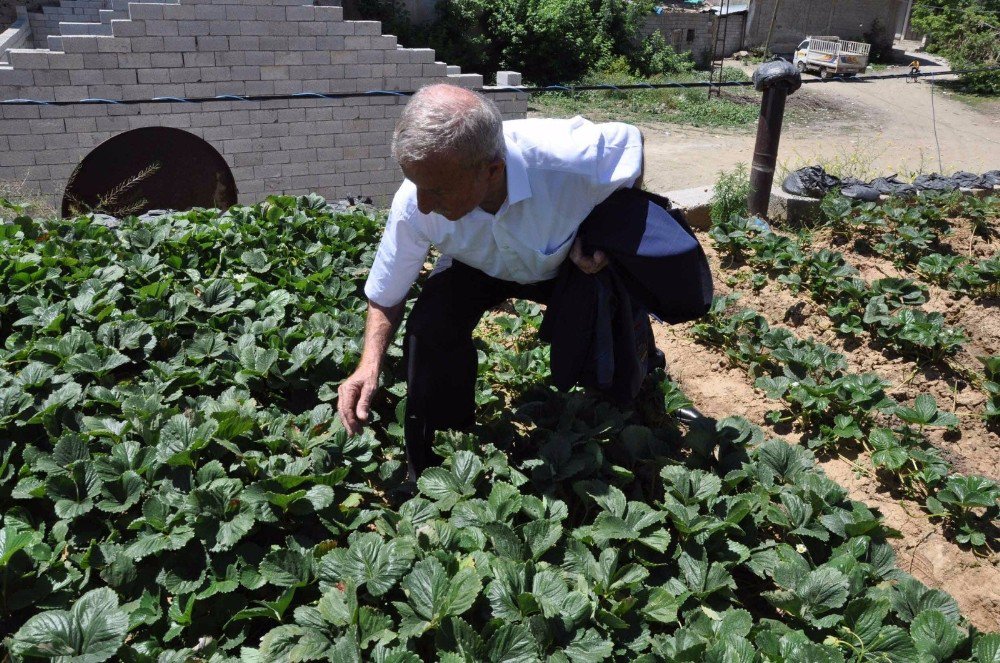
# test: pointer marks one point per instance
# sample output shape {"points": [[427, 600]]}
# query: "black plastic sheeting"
{"points": [[815, 182], [936, 182], [776, 72], [893, 186], [861, 192], [811, 181], [970, 180]]}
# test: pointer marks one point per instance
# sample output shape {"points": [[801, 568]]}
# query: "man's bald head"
{"points": [[445, 119]]}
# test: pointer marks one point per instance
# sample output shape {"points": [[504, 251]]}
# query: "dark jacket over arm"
{"points": [[598, 324]]}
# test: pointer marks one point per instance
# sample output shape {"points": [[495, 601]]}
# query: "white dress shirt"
{"points": [[557, 172]]}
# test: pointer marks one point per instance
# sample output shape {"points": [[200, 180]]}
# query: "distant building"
{"points": [[695, 27]]}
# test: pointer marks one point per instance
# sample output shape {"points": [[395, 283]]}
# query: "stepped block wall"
{"points": [[46, 22], [18, 35], [203, 48]]}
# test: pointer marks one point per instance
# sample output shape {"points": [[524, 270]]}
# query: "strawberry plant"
{"points": [[968, 502], [886, 307], [175, 486], [992, 386], [911, 234], [835, 408]]}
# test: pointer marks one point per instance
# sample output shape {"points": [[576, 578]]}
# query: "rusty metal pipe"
{"points": [[776, 79]]}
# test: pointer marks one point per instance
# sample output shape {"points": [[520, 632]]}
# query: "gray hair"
{"points": [[445, 118]]}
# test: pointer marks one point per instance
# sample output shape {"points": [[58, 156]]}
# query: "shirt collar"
{"points": [[518, 187]]}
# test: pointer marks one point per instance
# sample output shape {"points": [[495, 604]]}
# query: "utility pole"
{"points": [[777, 80], [770, 30]]}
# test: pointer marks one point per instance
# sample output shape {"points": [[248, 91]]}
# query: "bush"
{"points": [[731, 193], [549, 41], [655, 56], [965, 32]]}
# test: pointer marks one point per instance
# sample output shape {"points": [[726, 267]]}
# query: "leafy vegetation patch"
{"points": [[177, 488], [888, 308], [837, 409], [912, 235], [737, 107]]}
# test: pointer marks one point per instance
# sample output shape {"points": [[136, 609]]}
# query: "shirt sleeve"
{"points": [[619, 156], [400, 255]]}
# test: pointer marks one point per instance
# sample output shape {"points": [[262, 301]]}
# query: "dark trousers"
{"points": [[441, 360]]}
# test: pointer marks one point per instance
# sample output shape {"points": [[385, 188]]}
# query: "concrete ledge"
{"points": [[791, 208], [696, 203]]}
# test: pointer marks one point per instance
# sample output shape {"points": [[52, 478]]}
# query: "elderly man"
{"points": [[502, 202]]}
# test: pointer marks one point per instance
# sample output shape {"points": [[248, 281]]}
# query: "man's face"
{"points": [[446, 184]]}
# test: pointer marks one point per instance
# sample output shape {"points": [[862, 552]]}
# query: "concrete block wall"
{"points": [[204, 48], [796, 19], [18, 35], [685, 31], [46, 22], [732, 33]]}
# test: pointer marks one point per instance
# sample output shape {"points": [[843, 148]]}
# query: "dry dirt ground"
{"points": [[720, 390], [866, 128]]}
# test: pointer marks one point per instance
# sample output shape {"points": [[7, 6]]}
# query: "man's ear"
{"points": [[495, 169]]}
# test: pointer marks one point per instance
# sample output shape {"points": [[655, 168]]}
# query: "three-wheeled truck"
{"points": [[832, 56]]}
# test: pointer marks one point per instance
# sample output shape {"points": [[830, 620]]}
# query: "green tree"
{"points": [[967, 32], [549, 41]]}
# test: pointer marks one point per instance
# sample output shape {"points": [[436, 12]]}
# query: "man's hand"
{"points": [[355, 398], [587, 264]]}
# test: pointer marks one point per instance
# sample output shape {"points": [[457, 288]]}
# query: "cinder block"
{"points": [[179, 44], [26, 58], [153, 76], [135, 60], [508, 78], [148, 44], [330, 43], [696, 203], [209, 12], [69, 92], [78, 44], [166, 60], [193, 28], [100, 60], [183, 12], [199, 59], [328, 13], [144, 10], [275, 73], [302, 43], [303, 13], [120, 76], [224, 28], [273, 43], [162, 28], [241, 13], [421, 55], [50, 77], [792, 209], [313, 29], [114, 45], [17, 159], [369, 28], [16, 77]]}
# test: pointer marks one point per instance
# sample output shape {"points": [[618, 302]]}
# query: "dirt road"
{"points": [[867, 129]]}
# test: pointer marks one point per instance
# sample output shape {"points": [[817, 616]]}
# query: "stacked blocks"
{"points": [[204, 48]]}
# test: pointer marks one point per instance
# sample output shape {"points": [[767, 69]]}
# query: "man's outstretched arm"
{"points": [[355, 393]]}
